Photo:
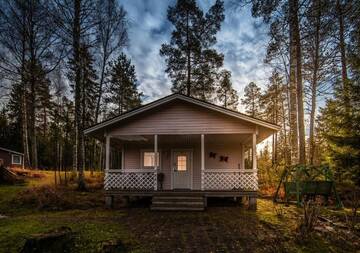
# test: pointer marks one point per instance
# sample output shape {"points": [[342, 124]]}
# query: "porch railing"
{"points": [[229, 179], [129, 180], [212, 179]]}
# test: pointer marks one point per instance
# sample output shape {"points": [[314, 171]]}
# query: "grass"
{"points": [[219, 229]]}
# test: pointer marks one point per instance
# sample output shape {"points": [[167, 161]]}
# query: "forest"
{"points": [[63, 68]]}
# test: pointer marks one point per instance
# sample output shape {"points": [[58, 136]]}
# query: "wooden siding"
{"points": [[6, 157], [179, 117], [132, 157]]}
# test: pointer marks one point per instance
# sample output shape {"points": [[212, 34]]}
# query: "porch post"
{"points": [[107, 153], [252, 199], [254, 165], [123, 158], [156, 159], [202, 161], [109, 199], [242, 157]]}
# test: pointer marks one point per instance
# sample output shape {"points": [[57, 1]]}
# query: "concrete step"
{"points": [[176, 203], [179, 193], [177, 198], [173, 208]]}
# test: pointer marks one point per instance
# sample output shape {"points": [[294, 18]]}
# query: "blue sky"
{"points": [[242, 40]]}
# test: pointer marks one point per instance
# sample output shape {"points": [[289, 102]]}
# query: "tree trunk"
{"points": [[314, 84], [300, 89], [78, 111], [292, 80], [188, 81], [32, 73], [275, 140], [342, 46], [24, 109]]}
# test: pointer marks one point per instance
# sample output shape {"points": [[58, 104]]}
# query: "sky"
{"points": [[242, 39]]}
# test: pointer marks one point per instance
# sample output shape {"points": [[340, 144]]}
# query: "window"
{"points": [[16, 159], [149, 159], [181, 163]]}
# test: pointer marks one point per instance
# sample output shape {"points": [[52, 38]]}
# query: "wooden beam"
{"points": [[107, 153], [254, 162], [123, 157], [242, 167], [156, 159], [202, 160]]}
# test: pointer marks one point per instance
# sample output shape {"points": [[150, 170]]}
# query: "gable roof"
{"points": [[182, 97], [11, 151]]}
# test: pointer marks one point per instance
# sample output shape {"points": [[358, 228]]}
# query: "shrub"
{"points": [[352, 200], [308, 221], [44, 197]]}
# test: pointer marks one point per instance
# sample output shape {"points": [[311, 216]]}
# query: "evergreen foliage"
{"points": [[226, 94], [122, 92], [251, 100], [192, 62]]}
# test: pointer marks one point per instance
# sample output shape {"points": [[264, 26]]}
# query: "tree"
{"points": [[87, 94], [272, 101], [289, 13], [192, 63], [251, 99], [28, 39], [319, 54], [111, 31], [122, 93], [226, 94], [76, 22], [339, 126]]}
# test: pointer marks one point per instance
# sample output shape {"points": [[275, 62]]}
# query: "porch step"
{"points": [[175, 201]]}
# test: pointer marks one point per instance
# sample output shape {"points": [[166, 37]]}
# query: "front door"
{"points": [[181, 167]]}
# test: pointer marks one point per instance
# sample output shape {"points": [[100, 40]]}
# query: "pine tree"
{"points": [[251, 100], [122, 92], [192, 63], [272, 103], [226, 94], [340, 127]]}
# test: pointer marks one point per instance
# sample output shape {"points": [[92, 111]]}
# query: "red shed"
{"points": [[11, 158]]}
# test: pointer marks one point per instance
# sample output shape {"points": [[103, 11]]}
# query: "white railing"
{"points": [[230, 179], [129, 180], [212, 179]]}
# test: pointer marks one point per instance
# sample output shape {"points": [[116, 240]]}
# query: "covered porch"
{"points": [[213, 163]]}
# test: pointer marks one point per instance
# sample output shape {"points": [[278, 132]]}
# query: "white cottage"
{"points": [[180, 150]]}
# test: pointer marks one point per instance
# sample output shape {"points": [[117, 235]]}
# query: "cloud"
{"points": [[242, 40]]}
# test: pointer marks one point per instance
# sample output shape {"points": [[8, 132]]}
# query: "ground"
{"points": [[219, 229]]}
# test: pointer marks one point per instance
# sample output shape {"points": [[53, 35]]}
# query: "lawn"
{"points": [[219, 229]]}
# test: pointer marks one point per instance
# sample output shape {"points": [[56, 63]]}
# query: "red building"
{"points": [[11, 159]]}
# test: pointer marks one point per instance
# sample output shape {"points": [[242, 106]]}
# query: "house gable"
{"points": [[181, 117]]}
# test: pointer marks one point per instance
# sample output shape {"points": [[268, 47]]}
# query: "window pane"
{"points": [[16, 159], [181, 162], [149, 159]]}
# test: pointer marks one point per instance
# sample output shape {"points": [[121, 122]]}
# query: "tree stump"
{"points": [[56, 241]]}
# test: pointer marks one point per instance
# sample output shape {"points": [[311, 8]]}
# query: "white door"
{"points": [[182, 166]]}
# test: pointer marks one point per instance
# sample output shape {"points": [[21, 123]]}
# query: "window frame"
{"points": [[186, 163], [12, 159], [143, 151]]}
